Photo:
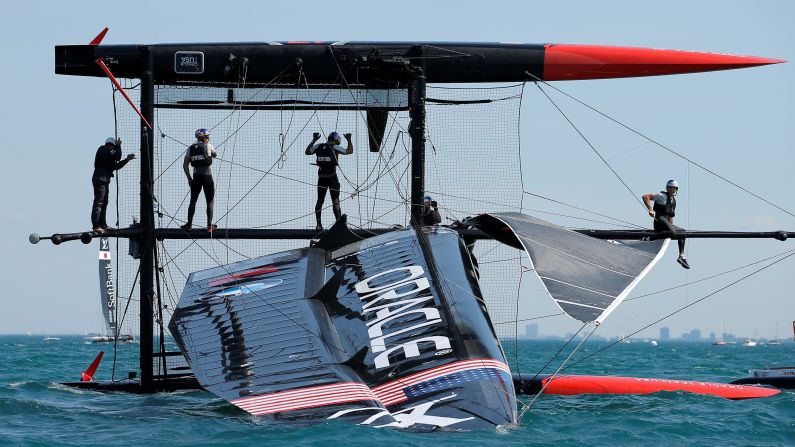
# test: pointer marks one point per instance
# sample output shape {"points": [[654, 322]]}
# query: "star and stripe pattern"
{"points": [[391, 393], [439, 378]]}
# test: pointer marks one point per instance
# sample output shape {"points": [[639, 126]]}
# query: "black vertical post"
{"points": [[417, 133], [147, 220]]}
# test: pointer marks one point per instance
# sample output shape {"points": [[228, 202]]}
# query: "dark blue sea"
{"points": [[36, 411]]}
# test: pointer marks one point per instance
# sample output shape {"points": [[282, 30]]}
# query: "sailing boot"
{"points": [[683, 262]]}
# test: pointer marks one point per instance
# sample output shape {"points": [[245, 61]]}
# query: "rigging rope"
{"points": [[562, 366], [711, 277], [632, 193], [660, 145], [687, 306]]}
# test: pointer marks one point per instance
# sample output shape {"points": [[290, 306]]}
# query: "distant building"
{"points": [[665, 333], [531, 331], [694, 335], [712, 336]]}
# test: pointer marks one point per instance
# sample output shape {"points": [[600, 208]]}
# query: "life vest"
{"points": [[668, 209], [326, 160], [198, 155]]}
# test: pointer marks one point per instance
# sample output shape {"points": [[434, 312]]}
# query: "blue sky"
{"points": [[735, 123]]}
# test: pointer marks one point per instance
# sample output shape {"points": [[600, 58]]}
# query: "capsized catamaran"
{"points": [[375, 325]]}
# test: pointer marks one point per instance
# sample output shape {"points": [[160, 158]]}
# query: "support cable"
{"points": [[660, 145], [593, 148], [685, 307]]}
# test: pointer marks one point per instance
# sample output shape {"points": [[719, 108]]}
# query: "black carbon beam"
{"points": [[147, 239], [417, 93], [298, 233]]}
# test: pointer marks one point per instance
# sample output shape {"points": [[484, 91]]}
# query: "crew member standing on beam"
{"points": [[107, 160], [327, 160], [662, 207], [200, 155]]}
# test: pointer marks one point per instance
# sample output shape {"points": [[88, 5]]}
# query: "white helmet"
{"points": [[672, 183], [110, 140]]}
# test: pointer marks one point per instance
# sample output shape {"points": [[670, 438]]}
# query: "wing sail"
{"points": [[587, 277], [107, 288]]}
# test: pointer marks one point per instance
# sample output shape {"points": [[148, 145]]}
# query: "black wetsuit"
{"points": [[327, 180], [664, 213], [106, 161], [202, 180], [430, 216]]}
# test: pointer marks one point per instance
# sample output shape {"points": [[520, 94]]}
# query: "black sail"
{"points": [[587, 277]]}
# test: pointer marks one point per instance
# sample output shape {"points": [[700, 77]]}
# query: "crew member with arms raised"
{"points": [[327, 160], [430, 211], [662, 208], [200, 155], [106, 161]]}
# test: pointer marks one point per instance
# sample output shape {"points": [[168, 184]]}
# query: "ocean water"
{"points": [[36, 411]]}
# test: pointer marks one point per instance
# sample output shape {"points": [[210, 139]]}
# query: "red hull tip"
{"points": [[574, 385], [88, 374], [578, 62]]}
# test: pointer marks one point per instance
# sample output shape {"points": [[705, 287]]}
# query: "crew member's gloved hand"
{"points": [[215, 154], [651, 213], [315, 136], [348, 136], [130, 156], [434, 204], [190, 182], [118, 141]]}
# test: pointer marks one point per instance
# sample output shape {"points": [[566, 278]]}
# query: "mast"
{"points": [[417, 93], [147, 239]]}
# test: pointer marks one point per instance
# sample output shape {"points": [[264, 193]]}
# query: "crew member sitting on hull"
{"points": [[327, 159], [430, 211], [662, 207], [200, 155], [107, 160]]}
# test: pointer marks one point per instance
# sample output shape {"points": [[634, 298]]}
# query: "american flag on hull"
{"points": [[441, 377], [391, 393], [316, 396]]}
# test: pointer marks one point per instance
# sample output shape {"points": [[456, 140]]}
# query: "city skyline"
{"points": [[532, 332]]}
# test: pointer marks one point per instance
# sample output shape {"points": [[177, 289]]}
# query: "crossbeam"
{"points": [[300, 233]]}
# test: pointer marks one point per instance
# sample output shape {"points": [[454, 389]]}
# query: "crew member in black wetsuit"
{"points": [[107, 160], [430, 211], [200, 155], [662, 207], [327, 159]]}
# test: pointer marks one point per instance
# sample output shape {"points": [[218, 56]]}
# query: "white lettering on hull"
{"points": [[398, 299]]}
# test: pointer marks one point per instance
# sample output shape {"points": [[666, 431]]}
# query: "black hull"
{"points": [[161, 385]]}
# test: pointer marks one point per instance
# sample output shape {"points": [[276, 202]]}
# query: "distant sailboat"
{"points": [[776, 341], [720, 340], [107, 291]]}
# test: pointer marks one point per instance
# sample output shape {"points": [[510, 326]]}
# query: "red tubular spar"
{"points": [[115, 82]]}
